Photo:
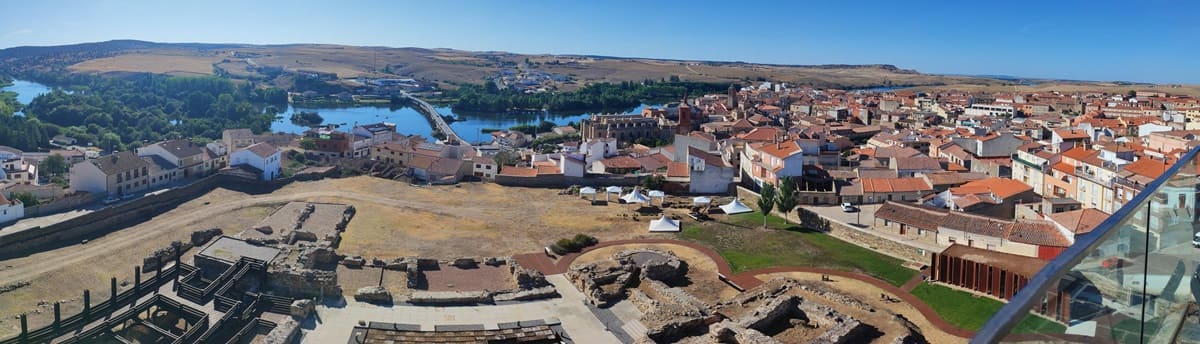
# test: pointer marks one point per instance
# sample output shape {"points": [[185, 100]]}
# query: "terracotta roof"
{"points": [[913, 215], [951, 178], [781, 150], [709, 158], [918, 163], [1001, 187], [1064, 168], [1080, 153], [887, 185], [678, 170], [423, 162], [761, 134], [548, 169], [976, 224], [621, 161], [653, 162], [514, 171], [1080, 221], [1147, 167], [896, 152], [878, 173], [446, 166], [1035, 232], [1069, 134], [262, 149]]}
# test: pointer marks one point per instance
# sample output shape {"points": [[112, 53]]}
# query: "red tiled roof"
{"points": [[514, 171], [1002, 187], [1080, 221], [781, 150], [678, 169], [1147, 167], [886, 185], [621, 161]]}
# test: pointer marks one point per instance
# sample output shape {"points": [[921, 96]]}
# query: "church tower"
{"points": [[685, 117]]}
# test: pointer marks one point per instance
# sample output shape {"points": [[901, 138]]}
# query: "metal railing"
{"points": [[1130, 280]]}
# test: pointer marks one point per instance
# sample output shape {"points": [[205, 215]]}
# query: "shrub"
{"points": [[558, 249], [567, 244], [584, 240]]}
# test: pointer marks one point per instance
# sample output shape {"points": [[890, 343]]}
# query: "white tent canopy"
{"points": [[701, 200], [587, 191], [736, 207], [611, 190], [664, 224], [635, 197]]}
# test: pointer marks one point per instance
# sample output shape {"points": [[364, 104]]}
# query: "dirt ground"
{"points": [[393, 219], [472, 220], [869, 294], [165, 63], [702, 271], [64, 273]]}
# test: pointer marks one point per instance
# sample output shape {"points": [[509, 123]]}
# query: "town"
{"points": [[974, 192]]}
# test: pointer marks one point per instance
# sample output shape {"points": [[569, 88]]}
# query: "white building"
{"points": [[262, 157], [10, 210], [989, 110], [14, 169]]}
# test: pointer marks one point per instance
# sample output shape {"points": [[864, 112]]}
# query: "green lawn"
{"points": [[746, 246], [970, 312], [1130, 330]]}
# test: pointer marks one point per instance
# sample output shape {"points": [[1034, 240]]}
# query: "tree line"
{"points": [[592, 97], [124, 113]]}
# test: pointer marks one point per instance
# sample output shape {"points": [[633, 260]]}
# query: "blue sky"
{"points": [[1151, 41]]}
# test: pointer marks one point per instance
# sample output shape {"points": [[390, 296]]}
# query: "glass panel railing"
{"points": [[1134, 279]]}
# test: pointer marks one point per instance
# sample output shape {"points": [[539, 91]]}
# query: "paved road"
{"points": [[334, 324], [29, 267], [866, 214]]}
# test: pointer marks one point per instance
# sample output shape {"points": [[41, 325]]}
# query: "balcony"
{"points": [[1133, 279]]}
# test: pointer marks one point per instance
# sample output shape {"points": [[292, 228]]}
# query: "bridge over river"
{"points": [[436, 119]]}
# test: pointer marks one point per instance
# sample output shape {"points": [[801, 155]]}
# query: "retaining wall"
{"points": [[560, 181], [112, 218]]}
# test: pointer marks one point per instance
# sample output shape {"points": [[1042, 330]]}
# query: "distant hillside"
{"points": [[272, 63]]}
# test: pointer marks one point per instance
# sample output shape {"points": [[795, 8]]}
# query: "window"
{"points": [[119, 178], [952, 240]]}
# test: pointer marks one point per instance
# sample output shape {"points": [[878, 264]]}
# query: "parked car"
{"points": [[1196, 240], [111, 200], [849, 208]]}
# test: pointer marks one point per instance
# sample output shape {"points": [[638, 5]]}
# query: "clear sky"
{"points": [[1149, 41]]}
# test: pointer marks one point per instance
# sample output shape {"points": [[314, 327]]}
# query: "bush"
{"points": [[584, 240], [558, 250], [567, 244]]}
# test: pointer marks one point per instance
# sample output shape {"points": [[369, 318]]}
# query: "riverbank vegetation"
{"points": [[307, 119], [124, 113], [593, 97]]}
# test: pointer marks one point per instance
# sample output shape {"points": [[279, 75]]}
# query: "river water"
{"points": [[408, 121], [26, 91]]}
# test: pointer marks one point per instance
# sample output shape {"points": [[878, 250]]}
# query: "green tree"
{"points": [[654, 182], [54, 165], [766, 201], [26, 198], [785, 197], [308, 144]]}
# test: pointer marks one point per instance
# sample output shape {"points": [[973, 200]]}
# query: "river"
{"points": [[26, 91], [408, 121]]}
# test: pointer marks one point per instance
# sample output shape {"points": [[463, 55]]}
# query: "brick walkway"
{"points": [[747, 279]]}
